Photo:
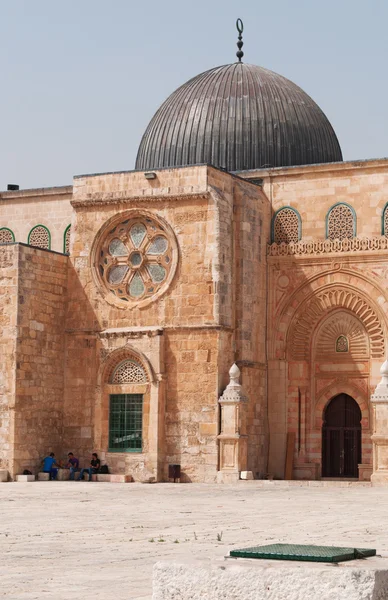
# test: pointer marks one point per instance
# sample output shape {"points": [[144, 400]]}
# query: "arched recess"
{"points": [[286, 225], [339, 324], [330, 298], [119, 356]]}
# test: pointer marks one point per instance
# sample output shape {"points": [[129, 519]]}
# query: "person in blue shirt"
{"points": [[50, 466]]}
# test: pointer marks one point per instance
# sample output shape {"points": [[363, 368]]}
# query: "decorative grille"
{"points": [[6, 236], [342, 344], [129, 371], [39, 237], [125, 422], [286, 226], [135, 259], [340, 224], [67, 240], [385, 222]]}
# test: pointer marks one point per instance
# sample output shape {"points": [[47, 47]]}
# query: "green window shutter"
{"points": [[125, 422]]}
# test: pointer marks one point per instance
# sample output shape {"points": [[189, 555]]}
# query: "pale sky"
{"points": [[80, 79]]}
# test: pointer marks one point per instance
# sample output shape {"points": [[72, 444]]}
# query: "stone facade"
{"points": [[216, 274]]}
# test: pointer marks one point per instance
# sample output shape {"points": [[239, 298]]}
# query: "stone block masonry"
{"points": [[32, 341], [270, 580]]}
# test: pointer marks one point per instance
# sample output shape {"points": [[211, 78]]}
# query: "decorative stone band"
{"points": [[161, 195], [327, 246]]}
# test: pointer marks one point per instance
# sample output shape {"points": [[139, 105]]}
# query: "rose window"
{"points": [[136, 258]]}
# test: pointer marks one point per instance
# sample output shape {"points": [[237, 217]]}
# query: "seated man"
{"points": [[72, 464], [94, 467], [50, 466]]}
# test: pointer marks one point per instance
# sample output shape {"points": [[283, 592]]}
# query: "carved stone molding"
{"points": [[311, 311], [106, 198], [342, 324], [317, 247]]}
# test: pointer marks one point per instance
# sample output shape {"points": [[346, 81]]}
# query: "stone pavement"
{"points": [[69, 540]]}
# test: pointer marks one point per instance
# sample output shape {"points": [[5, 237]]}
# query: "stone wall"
{"points": [[42, 295], [22, 210], [8, 333], [210, 295], [184, 395]]}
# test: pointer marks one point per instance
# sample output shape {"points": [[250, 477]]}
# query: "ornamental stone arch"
{"points": [[310, 313], [337, 325], [120, 356], [327, 292]]}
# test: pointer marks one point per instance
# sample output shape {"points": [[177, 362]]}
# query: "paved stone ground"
{"points": [[69, 540]]}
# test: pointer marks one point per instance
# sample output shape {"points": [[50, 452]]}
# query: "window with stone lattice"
{"points": [[39, 237], [286, 226], [340, 223]]}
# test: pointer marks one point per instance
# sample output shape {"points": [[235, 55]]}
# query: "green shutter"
{"points": [[125, 422]]}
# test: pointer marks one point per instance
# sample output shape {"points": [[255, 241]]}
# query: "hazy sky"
{"points": [[80, 79]]}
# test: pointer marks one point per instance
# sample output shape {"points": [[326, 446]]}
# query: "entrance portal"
{"points": [[341, 438]]}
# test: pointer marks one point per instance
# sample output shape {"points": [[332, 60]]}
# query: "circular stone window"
{"points": [[136, 258]]}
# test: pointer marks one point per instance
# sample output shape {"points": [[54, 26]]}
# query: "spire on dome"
{"points": [[240, 43]]}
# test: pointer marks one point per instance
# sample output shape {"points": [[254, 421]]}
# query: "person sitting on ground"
{"points": [[50, 466], [93, 469], [72, 464]]}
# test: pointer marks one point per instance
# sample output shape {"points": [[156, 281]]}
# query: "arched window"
{"points": [[341, 222], [342, 344], [39, 237], [126, 410], [66, 240], [384, 223], [129, 371], [6, 236], [286, 226]]}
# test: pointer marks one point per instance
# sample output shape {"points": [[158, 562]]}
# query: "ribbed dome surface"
{"points": [[238, 117]]}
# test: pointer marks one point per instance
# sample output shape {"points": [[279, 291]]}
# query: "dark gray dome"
{"points": [[238, 117]]}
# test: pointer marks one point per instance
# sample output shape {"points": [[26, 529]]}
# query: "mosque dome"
{"points": [[238, 117]]}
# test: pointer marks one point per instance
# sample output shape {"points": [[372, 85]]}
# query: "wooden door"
{"points": [[341, 438]]}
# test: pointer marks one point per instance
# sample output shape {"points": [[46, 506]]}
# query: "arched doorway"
{"points": [[341, 437]]}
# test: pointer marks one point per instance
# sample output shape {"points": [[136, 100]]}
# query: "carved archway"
{"points": [[123, 354], [310, 312], [340, 280], [340, 333]]}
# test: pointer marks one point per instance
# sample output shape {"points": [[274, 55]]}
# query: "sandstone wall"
{"points": [[8, 333], [184, 393], [21, 210], [42, 294]]}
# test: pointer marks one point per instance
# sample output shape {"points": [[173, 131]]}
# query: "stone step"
{"points": [[114, 478], [22, 478]]}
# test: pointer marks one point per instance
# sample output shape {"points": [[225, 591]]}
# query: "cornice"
{"points": [[108, 198]]}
